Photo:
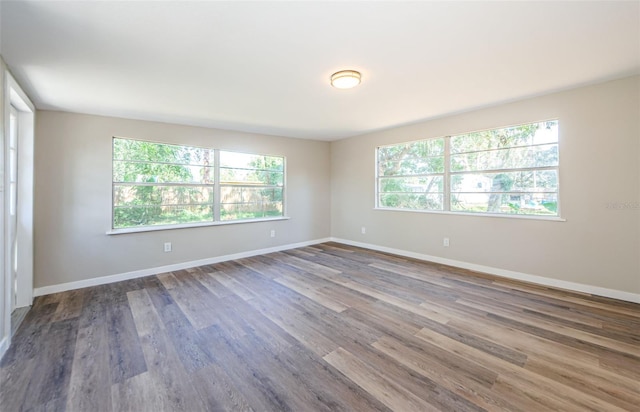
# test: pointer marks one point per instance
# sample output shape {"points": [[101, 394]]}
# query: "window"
{"points": [[512, 170], [411, 175], [251, 186], [157, 184]]}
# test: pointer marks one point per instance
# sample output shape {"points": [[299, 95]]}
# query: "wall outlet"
{"points": [[445, 242], [273, 233], [167, 246], [363, 230]]}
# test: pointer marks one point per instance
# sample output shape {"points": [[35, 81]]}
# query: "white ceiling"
{"points": [[264, 66]]}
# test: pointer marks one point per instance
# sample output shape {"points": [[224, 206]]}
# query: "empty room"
{"points": [[319, 206]]}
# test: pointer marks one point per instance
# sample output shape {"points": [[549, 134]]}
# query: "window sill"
{"points": [[495, 215], [190, 225]]}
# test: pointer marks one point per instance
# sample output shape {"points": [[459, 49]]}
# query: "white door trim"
{"points": [[17, 98]]}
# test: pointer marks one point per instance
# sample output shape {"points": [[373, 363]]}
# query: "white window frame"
{"points": [[216, 189], [221, 184], [447, 193]]}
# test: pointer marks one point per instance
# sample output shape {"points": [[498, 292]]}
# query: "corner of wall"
{"points": [[577, 252]]}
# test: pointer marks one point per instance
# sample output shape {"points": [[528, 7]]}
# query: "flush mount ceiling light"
{"points": [[345, 79]]}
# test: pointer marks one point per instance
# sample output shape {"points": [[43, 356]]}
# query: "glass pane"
{"points": [[251, 161], [13, 129], [251, 176], [522, 135], [250, 202], [160, 173], [508, 203], [421, 157], [411, 166], [13, 165], [547, 132], [522, 181], [411, 184], [515, 158], [126, 149], [132, 216], [129, 195], [415, 201], [13, 196], [235, 194], [240, 211], [421, 148]]}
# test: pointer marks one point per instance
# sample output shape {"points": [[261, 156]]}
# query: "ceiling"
{"points": [[264, 66]]}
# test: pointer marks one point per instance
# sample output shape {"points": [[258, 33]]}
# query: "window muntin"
{"points": [[511, 170], [161, 184]]}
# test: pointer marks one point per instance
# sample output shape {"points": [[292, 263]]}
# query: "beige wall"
{"points": [[73, 199], [599, 155], [331, 193]]}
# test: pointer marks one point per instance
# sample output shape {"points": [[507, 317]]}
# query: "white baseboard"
{"points": [[63, 287], [4, 345], [509, 274]]}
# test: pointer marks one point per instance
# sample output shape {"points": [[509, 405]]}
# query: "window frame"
{"points": [[215, 187], [448, 173], [222, 184], [422, 175]]}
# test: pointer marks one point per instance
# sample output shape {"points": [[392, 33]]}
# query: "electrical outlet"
{"points": [[445, 242], [167, 246], [363, 230], [273, 233]]}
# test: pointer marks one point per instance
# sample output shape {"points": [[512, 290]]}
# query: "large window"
{"points": [[512, 170], [161, 184]]}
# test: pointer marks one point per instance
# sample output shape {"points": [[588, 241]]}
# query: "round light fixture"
{"points": [[345, 79]]}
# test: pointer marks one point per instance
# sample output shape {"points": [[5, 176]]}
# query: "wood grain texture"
{"points": [[324, 328]]}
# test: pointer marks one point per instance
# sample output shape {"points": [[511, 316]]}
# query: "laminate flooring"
{"points": [[323, 328], [17, 316]]}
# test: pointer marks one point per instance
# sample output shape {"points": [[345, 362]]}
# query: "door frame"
{"points": [[11, 205], [16, 97]]}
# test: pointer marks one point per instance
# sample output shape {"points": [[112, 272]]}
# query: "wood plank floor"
{"points": [[17, 316], [323, 328]]}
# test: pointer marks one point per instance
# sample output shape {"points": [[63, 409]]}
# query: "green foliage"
{"points": [[494, 139], [227, 214], [254, 169], [141, 151], [550, 206], [414, 173], [149, 185], [414, 201], [427, 184], [502, 182], [165, 215], [515, 207], [264, 173], [422, 157], [141, 166]]}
